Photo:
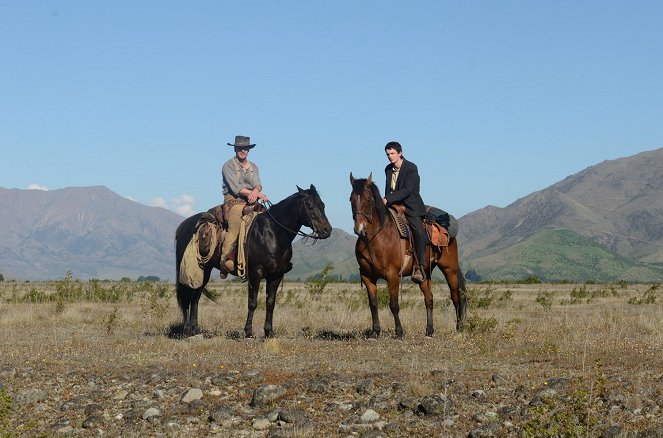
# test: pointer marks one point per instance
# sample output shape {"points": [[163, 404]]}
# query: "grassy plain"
{"points": [[519, 334]]}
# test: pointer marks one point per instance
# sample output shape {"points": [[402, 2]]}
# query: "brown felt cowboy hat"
{"points": [[242, 142]]}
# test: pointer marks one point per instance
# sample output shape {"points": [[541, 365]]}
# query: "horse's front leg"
{"points": [[271, 289], [372, 291], [254, 286], [393, 283]]}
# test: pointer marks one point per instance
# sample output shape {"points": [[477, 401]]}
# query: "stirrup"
{"points": [[419, 275]]}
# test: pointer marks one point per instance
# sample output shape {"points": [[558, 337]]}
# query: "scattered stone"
{"points": [[366, 386], [220, 414], [267, 394], [151, 412], [319, 385], [436, 404], [121, 394], [191, 395], [370, 416], [614, 432], [92, 421], [479, 394], [543, 395], [261, 423], [489, 430], [292, 416], [30, 397]]}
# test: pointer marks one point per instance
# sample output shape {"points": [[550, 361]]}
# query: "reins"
{"points": [[269, 205]]}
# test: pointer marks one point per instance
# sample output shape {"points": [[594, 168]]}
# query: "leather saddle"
{"points": [[220, 212], [438, 234]]}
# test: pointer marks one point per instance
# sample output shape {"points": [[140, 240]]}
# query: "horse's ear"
{"points": [[369, 180], [352, 179], [300, 190], [312, 188]]}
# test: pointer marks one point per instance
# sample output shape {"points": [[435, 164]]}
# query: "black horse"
{"points": [[268, 252]]}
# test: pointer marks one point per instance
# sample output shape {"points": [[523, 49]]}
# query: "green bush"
{"points": [[316, 284], [648, 297], [545, 299], [6, 407]]}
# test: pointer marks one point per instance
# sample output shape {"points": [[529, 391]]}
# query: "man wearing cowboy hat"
{"points": [[241, 186]]}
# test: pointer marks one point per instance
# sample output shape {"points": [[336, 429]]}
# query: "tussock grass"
{"points": [[526, 333]]}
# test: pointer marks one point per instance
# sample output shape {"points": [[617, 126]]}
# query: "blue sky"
{"points": [[491, 99]]}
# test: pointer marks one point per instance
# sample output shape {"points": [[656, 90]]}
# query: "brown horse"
{"points": [[380, 253]]}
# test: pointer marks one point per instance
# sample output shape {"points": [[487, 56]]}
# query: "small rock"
{"points": [[496, 378], [370, 416], [490, 415], [92, 421], [267, 394], [30, 397], [614, 432], [120, 395], [191, 395], [434, 405], [543, 395], [221, 414], [261, 424], [489, 430], [479, 394], [366, 386], [293, 416], [151, 412]]}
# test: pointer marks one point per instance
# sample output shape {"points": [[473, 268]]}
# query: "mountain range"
{"points": [[604, 223]]}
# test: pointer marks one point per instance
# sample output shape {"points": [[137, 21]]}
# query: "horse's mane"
{"points": [[286, 201]]}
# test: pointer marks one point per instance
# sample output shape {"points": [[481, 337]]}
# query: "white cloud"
{"points": [[182, 204], [158, 202], [35, 186]]}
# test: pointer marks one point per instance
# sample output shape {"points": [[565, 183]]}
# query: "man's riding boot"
{"points": [[419, 275]]}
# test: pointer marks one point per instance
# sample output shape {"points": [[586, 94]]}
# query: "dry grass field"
{"points": [[100, 359]]}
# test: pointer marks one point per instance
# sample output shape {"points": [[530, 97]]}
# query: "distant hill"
{"points": [[309, 257], [604, 223], [89, 230]]}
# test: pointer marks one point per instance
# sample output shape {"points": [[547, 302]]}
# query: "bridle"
{"points": [[315, 235], [368, 217]]}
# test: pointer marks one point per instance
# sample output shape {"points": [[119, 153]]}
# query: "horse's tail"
{"points": [[209, 296], [461, 280], [183, 235], [462, 299]]}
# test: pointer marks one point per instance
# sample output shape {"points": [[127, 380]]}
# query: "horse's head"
{"points": [[366, 202], [312, 213]]}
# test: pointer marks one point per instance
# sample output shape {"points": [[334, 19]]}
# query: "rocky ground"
{"points": [[286, 398], [593, 370]]}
